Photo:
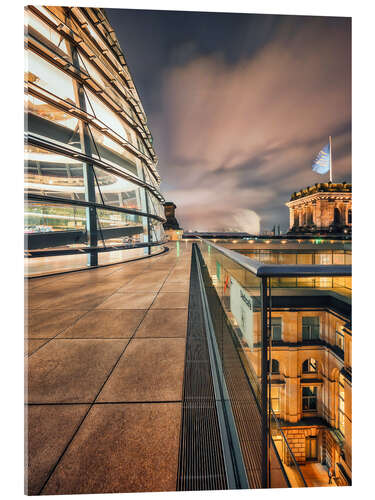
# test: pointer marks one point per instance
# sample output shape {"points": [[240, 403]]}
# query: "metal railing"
{"points": [[234, 280]]}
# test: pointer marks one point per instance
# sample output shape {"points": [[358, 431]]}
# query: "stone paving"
{"points": [[105, 353]]}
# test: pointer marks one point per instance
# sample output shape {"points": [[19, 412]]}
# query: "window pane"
{"points": [[51, 174], [50, 78], [51, 217], [111, 151], [107, 116], [118, 192], [119, 228], [49, 122], [46, 31]]}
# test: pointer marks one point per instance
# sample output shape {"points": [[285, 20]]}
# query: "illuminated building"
{"points": [[91, 183], [321, 209], [171, 226]]}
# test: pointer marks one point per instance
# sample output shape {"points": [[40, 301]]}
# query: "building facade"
{"points": [[171, 226], [321, 209], [91, 181]]}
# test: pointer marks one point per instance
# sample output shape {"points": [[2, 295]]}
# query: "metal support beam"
{"points": [[264, 383], [88, 170]]}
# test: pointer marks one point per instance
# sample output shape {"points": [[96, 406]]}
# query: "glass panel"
{"points": [[121, 255], [51, 174], [44, 217], [156, 231], [50, 78], [46, 31], [106, 115], [47, 121], [108, 150], [233, 295], [99, 79], [118, 192], [118, 228], [154, 205]]}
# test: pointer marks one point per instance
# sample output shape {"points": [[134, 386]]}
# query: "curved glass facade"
{"points": [[91, 184]]}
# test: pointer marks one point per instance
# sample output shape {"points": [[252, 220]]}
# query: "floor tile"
{"points": [[119, 323], [32, 345], [45, 323], [150, 370], [164, 323], [71, 371], [176, 286], [171, 300], [80, 300], [133, 300], [48, 429], [121, 448]]}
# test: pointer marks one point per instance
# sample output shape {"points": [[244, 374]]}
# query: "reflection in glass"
{"points": [[118, 192], [51, 174], [96, 107], [46, 31], [111, 151], [50, 217], [50, 78], [50, 122]]}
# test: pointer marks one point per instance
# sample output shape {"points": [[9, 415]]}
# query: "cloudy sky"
{"points": [[239, 105]]}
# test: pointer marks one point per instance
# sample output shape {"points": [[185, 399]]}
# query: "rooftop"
{"points": [[323, 187]]}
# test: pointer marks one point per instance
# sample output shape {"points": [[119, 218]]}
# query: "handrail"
{"points": [[281, 270]]}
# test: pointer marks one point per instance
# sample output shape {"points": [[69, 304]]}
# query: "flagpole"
{"points": [[330, 159]]}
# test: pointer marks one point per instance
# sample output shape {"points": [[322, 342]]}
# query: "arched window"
{"points": [[309, 366]]}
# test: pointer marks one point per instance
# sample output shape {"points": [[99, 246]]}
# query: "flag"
{"points": [[321, 163]]}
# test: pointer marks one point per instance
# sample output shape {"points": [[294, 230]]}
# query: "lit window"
{"points": [[276, 327], [46, 31], [50, 78], [341, 408], [310, 327], [309, 398], [275, 399], [309, 366], [340, 340]]}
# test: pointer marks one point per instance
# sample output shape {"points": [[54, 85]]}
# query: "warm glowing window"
{"points": [[103, 113], [275, 399], [309, 366], [50, 78], [46, 31], [341, 408], [340, 340]]}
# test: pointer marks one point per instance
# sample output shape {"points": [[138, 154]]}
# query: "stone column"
{"points": [[291, 217]]}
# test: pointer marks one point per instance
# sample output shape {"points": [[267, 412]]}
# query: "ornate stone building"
{"points": [[321, 209], [171, 226]]}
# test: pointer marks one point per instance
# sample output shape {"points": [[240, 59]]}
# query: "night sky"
{"points": [[239, 105]]}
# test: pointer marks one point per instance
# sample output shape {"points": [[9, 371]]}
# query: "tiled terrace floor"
{"points": [[106, 350]]}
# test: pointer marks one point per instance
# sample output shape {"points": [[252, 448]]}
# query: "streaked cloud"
{"points": [[236, 139]]}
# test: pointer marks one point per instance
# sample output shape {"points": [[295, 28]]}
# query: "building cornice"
{"points": [[307, 199]]}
